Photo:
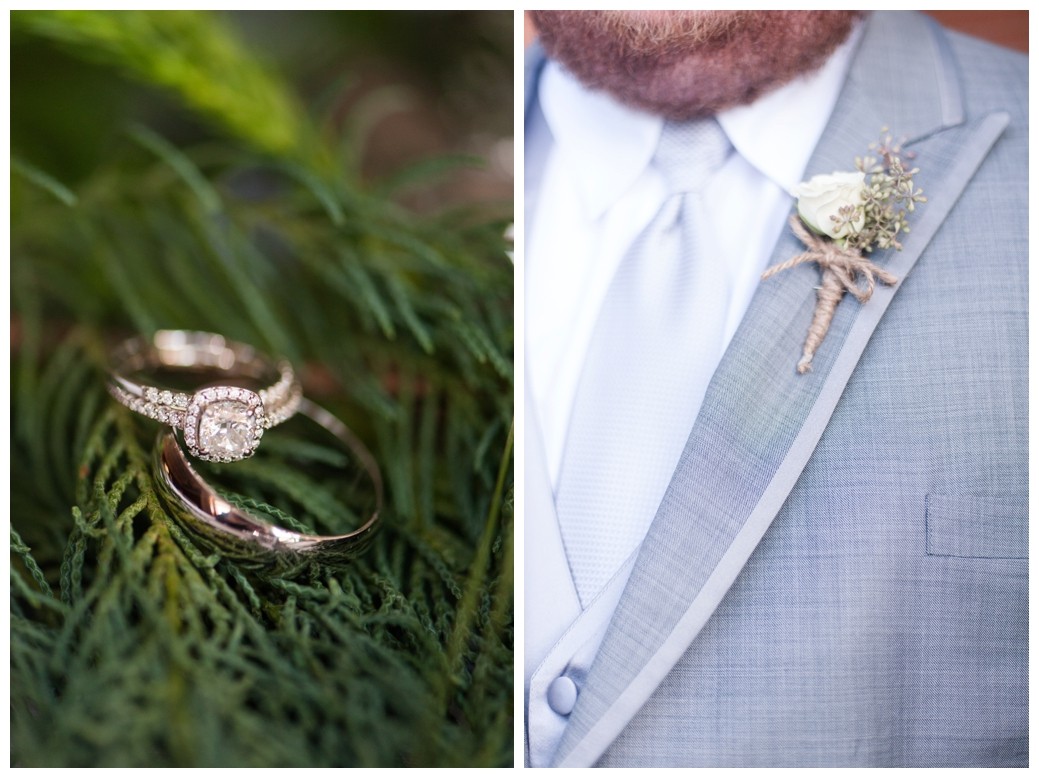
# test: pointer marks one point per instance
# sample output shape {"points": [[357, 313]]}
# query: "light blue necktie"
{"points": [[642, 374]]}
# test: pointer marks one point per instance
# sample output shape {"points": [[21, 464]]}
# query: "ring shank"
{"points": [[187, 350]]}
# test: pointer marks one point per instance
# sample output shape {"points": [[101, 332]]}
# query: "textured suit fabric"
{"points": [[876, 615]]}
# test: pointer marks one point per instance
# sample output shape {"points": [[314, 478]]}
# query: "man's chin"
{"points": [[683, 64]]}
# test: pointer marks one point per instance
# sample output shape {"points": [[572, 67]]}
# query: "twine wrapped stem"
{"points": [[843, 270]]}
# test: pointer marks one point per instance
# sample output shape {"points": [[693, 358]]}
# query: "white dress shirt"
{"points": [[590, 191]]}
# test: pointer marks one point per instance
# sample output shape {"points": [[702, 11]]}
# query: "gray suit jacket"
{"points": [[837, 574]]}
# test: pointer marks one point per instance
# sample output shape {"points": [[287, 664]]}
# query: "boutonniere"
{"points": [[843, 217]]}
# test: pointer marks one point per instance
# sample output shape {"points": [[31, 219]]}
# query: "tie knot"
{"points": [[689, 152]]}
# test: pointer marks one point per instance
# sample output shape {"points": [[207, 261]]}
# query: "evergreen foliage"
{"points": [[133, 644]]}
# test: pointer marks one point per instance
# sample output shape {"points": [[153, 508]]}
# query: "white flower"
{"points": [[823, 197]]}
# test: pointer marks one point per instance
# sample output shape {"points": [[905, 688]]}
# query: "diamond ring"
{"points": [[247, 539], [220, 423]]}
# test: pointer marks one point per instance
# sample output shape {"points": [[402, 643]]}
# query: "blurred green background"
{"points": [[331, 186], [399, 87]]}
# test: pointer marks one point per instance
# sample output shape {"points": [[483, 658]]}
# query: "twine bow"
{"points": [[843, 270]]}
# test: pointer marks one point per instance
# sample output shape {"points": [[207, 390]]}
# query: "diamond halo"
{"points": [[224, 423]]}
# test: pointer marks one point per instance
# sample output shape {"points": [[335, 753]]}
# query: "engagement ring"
{"points": [[221, 423]]}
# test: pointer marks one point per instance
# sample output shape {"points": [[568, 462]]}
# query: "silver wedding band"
{"points": [[251, 541], [221, 423]]}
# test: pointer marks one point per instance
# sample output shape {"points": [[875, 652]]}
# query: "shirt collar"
{"points": [[778, 132], [607, 145]]}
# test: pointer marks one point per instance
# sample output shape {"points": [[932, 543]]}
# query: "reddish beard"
{"points": [[685, 64]]}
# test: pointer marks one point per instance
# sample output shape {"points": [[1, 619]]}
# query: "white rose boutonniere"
{"points": [[847, 216], [832, 205]]}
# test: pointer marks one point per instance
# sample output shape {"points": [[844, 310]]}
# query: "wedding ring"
{"points": [[221, 423], [245, 538]]}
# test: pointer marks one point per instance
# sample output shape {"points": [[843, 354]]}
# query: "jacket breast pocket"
{"points": [[980, 527]]}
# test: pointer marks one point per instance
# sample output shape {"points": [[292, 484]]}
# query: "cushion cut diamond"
{"points": [[224, 424], [227, 429]]}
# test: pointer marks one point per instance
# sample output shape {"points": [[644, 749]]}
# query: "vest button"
{"points": [[562, 695]]}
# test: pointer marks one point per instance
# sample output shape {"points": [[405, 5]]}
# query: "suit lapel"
{"points": [[760, 420], [533, 62]]}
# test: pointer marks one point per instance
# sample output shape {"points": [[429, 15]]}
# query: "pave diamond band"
{"points": [[220, 423], [241, 536]]}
